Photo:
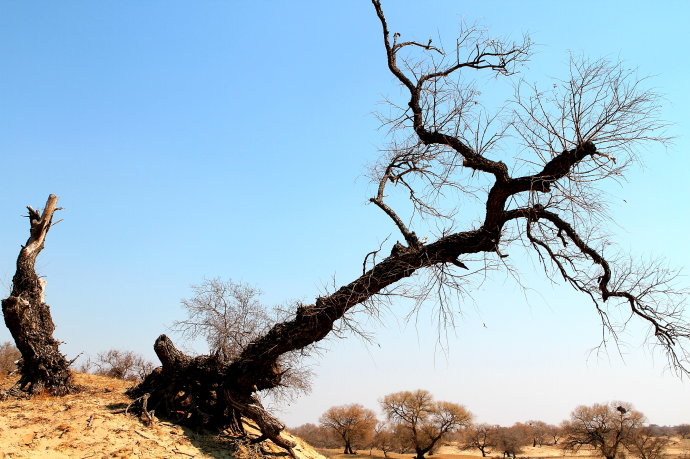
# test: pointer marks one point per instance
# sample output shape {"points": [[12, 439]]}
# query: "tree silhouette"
{"points": [[541, 192]]}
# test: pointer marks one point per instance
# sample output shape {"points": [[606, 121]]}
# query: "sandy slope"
{"points": [[88, 425]]}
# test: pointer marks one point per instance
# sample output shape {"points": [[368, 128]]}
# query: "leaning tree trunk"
{"points": [[27, 316], [205, 392]]}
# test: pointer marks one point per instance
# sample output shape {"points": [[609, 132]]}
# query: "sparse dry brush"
{"points": [[126, 365]]}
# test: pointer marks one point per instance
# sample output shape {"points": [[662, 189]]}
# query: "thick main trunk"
{"points": [[28, 317], [256, 366], [205, 392]]}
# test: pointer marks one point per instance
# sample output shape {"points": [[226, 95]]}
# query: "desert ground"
{"points": [[92, 424], [679, 449]]}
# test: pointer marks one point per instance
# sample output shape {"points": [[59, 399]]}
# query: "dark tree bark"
{"points": [[538, 205], [28, 318], [196, 392]]}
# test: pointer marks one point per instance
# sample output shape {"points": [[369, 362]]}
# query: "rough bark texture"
{"points": [[27, 316], [196, 392]]}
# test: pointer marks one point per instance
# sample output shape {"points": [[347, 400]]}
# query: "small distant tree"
{"points": [[605, 427], [9, 354], [511, 440], [353, 423], [384, 438], [125, 365], [554, 432], [538, 431], [683, 430], [422, 420], [229, 316], [645, 444], [479, 436]]}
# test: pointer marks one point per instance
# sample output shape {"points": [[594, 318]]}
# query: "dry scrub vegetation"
{"points": [[92, 424]]}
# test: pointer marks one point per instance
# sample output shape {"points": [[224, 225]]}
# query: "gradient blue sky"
{"points": [[230, 138]]}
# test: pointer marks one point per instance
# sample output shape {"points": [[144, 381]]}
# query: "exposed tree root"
{"points": [[195, 392]]}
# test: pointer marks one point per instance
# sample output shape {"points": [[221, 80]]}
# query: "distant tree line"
{"points": [[416, 423]]}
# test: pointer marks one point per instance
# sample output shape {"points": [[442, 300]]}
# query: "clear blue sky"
{"points": [[191, 140]]}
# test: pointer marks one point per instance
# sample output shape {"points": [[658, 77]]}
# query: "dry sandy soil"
{"points": [[89, 425]]}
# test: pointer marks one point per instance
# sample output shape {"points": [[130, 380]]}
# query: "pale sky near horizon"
{"points": [[230, 139]]}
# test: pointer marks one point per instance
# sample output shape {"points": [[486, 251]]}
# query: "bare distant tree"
{"points": [[353, 423], [480, 436], [422, 420], [554, 432], [683, 430], [28, 317], [605, 427], [538, 431], [9, 354], [540, 194], [384, 439], [510, 440], [126, 365], [645, 444], [229, 316]]}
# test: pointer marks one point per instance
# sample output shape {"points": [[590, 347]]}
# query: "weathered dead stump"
{"points": [[199, 392], [27, 316]]}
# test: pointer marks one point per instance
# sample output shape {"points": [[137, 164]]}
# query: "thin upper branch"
{"points": [[651, 298], [40, 224], [472, 159]]}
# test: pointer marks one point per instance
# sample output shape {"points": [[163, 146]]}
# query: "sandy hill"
{"points": [[91, 424]]}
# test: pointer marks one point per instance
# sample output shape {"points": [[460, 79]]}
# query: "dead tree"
{"points": [[583, 130], [27, 316]]}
